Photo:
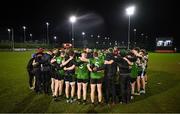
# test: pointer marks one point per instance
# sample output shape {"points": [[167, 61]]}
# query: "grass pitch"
{"points": [[162, 90]]}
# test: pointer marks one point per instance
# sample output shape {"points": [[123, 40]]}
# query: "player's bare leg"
{"points": [[61, 83], [84, 91], [79, 91], [67, 91], [92, 92], [72, 91], [99, 89], [53, 86], [138, 85]]}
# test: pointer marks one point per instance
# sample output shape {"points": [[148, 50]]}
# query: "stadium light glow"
{"points": [[24, 27], [9, 30], [72, 19], [55, 37], [83, 33], [47, 23], [130, 10]]}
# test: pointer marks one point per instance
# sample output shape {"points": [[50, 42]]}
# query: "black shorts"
{"points": [[132, 80], [53, 74], [59, 77], [82, 80], [96, 81], [144, 73], [140, 72], [69, 78]]}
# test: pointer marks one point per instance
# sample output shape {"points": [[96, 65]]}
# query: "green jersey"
{"points": [[97, 62], [134, 70], [59, 61], [82, 71]]}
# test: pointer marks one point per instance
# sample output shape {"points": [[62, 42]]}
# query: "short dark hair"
{"points": [[137, 49], [143, 51], [84, 52], [71, 53], [62, 52]]}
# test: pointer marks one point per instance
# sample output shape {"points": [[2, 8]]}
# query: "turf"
{"points": [[162, 89]]}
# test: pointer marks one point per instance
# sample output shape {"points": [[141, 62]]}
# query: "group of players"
{"points": [[116, 75]]}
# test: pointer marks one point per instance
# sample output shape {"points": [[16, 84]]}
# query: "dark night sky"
{"points": [[107, 17]]}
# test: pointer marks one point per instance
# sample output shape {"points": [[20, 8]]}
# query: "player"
{"points": [[96, 77], [69, 70], [82, 77]]}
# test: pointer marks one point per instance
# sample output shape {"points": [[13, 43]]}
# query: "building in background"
{"points": [[164, 44]]}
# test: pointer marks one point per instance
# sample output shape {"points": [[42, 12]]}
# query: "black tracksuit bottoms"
{"points": [[46, 81], [109, 89], [38, 80], [125, 88]]}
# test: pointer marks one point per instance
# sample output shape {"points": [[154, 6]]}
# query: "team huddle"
{"points": [[116, 75]]}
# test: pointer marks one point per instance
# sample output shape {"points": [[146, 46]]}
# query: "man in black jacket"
{"points": [[37, 63], [110, 75], [124, 69], [30, 73], [46, 70]]}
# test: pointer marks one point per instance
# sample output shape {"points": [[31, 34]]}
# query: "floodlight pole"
{"points": [[12, 39], [24, 29], [72, 30], [129, 31], [72, 20], [9, 34], [134, 37], [83, 34], [47, 33], [129, 12]]}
